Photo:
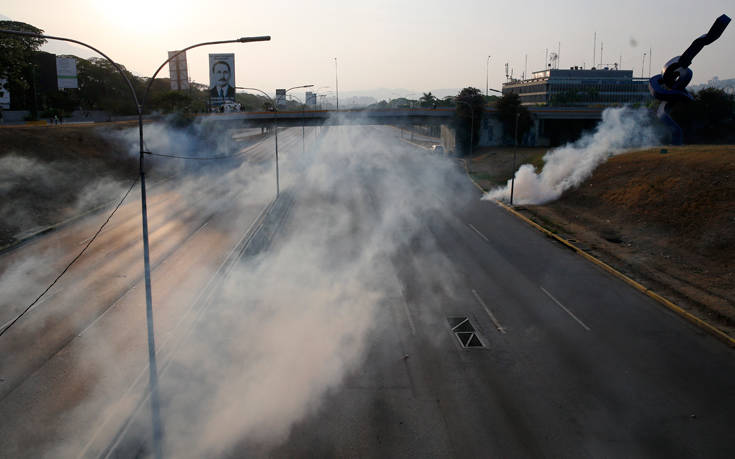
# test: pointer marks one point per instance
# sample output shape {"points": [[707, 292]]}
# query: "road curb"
{"points": [[641, 288], [706, 326]]}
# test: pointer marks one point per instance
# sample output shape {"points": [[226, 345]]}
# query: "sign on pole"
{"points": [[221, 78], [66, 73], [178, 71]]}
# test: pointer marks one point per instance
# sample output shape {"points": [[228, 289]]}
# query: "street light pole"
{"points": [[336, 82], [487, 69], [472, 120], [275, 130], [275, 120], [303, 128], [153, 368]]}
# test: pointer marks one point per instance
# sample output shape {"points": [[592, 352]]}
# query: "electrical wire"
{"points": [[193, 157], [2, 332]]}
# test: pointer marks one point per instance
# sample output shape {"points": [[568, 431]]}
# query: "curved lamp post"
{"points": [[275, 122], [139, 105], [275, 110]]}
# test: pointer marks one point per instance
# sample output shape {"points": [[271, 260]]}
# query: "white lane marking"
{"points": [[565, 309], [478, 232], [410, 320], [489, 313]]}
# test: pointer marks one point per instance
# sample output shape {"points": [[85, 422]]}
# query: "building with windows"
{"points": [[581, 87]]}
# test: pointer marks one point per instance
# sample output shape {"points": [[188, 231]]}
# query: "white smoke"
{"points": [[288, 325], [567, 167]]}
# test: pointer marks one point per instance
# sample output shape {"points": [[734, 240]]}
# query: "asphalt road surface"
{"points": [[339, 329]]}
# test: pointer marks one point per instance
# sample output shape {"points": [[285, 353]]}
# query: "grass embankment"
{"points": [[666, 220]]}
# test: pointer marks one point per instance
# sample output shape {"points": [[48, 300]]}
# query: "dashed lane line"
{"points": [[565, 309], [489, 312]]}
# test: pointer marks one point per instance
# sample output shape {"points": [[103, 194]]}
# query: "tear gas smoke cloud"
{"points": [[289, 324], [567, 167], [41, 193], [298, 318]]}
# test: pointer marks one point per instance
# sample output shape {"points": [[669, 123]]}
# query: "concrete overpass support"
{"points": [[449, 139], [491, 132]]}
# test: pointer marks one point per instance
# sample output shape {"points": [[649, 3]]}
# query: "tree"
{"points": [[428, 100], [469, 106], [16, 52], [509, 107], [101, 87], [708, 117]]}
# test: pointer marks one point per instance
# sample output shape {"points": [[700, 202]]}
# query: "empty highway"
{"points": [[337, 322]]}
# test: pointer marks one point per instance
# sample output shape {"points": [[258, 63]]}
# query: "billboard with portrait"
{"points": [[221, 78]]}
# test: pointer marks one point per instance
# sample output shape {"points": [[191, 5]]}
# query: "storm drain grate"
{"points": [[464, 331]]}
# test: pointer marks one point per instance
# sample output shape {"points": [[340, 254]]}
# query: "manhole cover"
{"points": [[464, 331]]}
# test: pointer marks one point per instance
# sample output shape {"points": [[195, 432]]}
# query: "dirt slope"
{"points": [[44, 172]]}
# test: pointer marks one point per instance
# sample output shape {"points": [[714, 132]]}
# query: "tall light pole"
{"points": [[303, 128], [275, 131], [472, 120], [139, 105], [487, 69], [275, 121], [336, 82]]}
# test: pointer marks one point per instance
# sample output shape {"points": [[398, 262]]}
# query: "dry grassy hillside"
{"points": [[667, 220]]}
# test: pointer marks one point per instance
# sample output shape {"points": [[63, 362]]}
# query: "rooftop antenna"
{"points": [[558, 56], [602, 45], [506, 71], [546, 59], [643, 65], [525, 69], [594, 50], [649, 62]]}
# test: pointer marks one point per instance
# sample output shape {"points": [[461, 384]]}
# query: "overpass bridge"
{"points": [[551, 125], [395, 117]]}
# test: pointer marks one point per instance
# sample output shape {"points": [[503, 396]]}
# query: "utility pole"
{"points": [[594, 50], [336, 81], [649, 62], [643, 65], [515, 149], [487, 69]]}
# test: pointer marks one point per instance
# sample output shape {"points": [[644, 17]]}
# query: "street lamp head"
{"points": [[251, 39], [299, 87]]}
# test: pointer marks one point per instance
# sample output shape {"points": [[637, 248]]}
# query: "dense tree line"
{"points": [[101, 87], [709, 117]]}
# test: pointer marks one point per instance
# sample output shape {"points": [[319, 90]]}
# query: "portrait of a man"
{"points": [[222, 85]]}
